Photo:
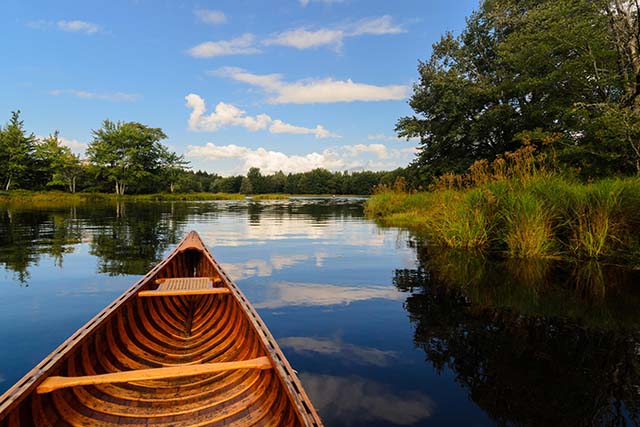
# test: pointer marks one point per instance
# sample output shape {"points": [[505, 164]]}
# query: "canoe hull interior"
{"points": [[136, 333]]}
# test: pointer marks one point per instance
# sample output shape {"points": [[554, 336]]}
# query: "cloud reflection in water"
{"points": [[348, 353], [355, 400], [289, 294]]}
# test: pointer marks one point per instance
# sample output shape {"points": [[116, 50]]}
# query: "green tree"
{"points": [[551, 68], [126, 153], [320, 181], [16, 151], [278, 182], [55, 164], [257, 181], [246, 187], [67, 167], [46, 151], [173, 167]]}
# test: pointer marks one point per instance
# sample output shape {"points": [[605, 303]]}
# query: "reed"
{"points": [[597, 219], [525, 214], [463, 220], [527, 226]]}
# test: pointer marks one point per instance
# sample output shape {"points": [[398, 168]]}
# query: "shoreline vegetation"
{"points": [[528, 124], [26, 197], [516, 207]]}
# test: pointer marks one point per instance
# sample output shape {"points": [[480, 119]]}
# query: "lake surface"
{"points": [[383, 329]]}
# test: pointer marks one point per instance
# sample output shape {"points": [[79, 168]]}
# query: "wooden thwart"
{"points": [[55, 383], [185, 286], [185, 292]]}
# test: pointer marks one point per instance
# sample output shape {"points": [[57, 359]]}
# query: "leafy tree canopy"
{"points": [[561, 71], [126, 153], [16, 152]]}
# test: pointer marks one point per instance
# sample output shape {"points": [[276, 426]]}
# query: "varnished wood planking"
{"points": [[57, 382], [170, 331]]}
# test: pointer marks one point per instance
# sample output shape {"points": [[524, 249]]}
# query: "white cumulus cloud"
{"points": [[229, 115], [326, 90], [209, 16], [380, 150], [278, 126], [268, 161], [375, 26], [304, 38], [243, 45], [74, 144], [346, 157]]}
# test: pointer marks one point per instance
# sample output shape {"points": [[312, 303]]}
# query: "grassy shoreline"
{"points": [[546, 216], [23, 197]]}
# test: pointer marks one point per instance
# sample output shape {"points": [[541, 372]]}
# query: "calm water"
{"points": [[383, 329]]}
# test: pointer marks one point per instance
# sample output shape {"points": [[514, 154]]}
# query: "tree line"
{"points": [[128, 157], [563, 75]]}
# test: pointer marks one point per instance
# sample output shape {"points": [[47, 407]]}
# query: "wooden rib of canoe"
{"points": [[181, 347]]}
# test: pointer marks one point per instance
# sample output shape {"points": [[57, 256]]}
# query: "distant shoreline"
{"points": [[23, 197]]}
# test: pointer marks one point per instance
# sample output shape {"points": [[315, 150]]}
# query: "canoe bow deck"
{"points": [[182, 347]]}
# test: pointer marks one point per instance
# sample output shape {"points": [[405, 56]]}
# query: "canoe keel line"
{"points": [[182, 347]]}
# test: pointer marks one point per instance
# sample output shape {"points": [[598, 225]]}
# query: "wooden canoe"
{"points": [[181, 347]]}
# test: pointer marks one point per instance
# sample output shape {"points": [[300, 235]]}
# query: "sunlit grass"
{"points": [[541, 217], [32, 198], [527, 226], [270, 196]]}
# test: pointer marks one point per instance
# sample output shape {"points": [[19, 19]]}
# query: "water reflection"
{"points": [[529, 349], [260, 267], [137, 237], [506, 342], [345, 352], [26, 235], [129, 238], [359, 401], [289, 294]]}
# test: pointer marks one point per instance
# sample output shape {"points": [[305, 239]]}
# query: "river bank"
{"points": [[24, 197], [546, 216]]}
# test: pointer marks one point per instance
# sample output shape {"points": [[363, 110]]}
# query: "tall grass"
{"points": [[23, 197], [270, 196], [527, 226], [515, 206]]}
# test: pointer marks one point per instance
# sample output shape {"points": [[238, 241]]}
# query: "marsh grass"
{"points": [[270, 196], [32, 198], [527, 226], [516, 207]]}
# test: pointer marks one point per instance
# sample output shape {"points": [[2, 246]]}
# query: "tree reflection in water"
{"points": [[127, 239], [535, 343], [27, 234], [135, 239]]}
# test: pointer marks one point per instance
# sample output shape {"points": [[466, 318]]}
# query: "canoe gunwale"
{"points": [[292, 387], [32, 379]]}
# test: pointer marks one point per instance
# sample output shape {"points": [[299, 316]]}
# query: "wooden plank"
{"points": [[209, 291], [55, 383], [184, 283]]}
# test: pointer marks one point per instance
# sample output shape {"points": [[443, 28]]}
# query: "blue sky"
{"points": [[287, 84]]}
